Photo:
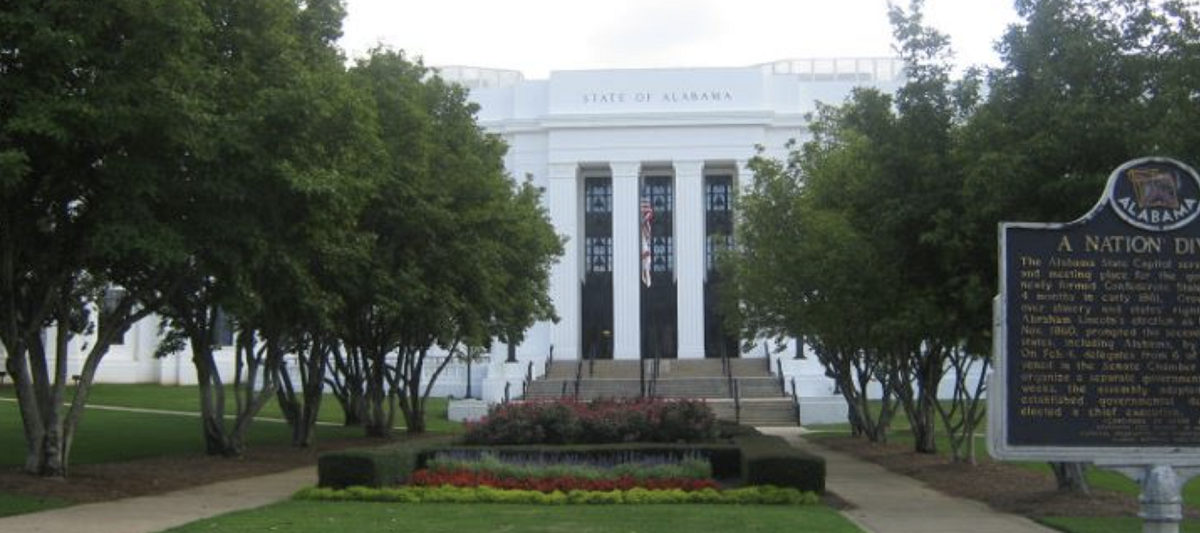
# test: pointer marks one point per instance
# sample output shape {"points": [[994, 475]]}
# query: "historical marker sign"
{"points": [[1098, 327]]}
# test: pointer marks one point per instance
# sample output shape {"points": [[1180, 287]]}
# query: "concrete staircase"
{"points": [[761, 401]]}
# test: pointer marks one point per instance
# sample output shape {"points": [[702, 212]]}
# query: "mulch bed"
{"points": [[1005, 487], [111, 481]]}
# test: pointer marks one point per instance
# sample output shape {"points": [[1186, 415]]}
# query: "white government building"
{"points": [[599, 142]]}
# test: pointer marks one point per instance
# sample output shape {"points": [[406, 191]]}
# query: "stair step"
{"points": [[762, 400]]}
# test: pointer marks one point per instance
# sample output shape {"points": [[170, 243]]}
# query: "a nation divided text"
{"points": [[1103, 344]]}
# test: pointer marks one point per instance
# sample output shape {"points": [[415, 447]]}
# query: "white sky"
{"points": [[538, 36]]}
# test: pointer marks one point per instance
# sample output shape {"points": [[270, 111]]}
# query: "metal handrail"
{"points": [[578, 377], [737, 402], [528, 379], [796, 401], [654, 375], [727, 369], [592, 361], [782, 382], [642, 376]]}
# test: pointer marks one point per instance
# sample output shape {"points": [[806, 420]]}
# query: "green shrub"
{"points": [[759, 495], [768, 460], [730, 430], [599, 421], [374, 467]]}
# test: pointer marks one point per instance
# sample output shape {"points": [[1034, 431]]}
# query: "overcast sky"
{"points": [[538, 36]]}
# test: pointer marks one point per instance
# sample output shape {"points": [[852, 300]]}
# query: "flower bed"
{"points": [[760, 495], [548, 473], [595, 422], [535, 465], [464, 478]]}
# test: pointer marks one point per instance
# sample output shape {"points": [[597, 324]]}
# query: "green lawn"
{"points": [[366, 517], [111, 436], [14, 504], [186, 398]]}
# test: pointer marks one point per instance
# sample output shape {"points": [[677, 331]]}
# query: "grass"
{"points": [[14, 504], [301, 517], [186, 398], [113, 436]]}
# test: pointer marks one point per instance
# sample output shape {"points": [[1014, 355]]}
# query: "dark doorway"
{"points": [[718, 236], [597, 290], [658, 301]]}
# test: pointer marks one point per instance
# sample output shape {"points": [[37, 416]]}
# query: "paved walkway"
{"points": [[149, 514], [886, 502]]}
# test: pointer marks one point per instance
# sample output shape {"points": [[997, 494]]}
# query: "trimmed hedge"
{"points": [[373, 467], [753, 458], [762, 495], [768, 460], [729, 430]]}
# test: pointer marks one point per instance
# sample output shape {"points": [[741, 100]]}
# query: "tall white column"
{"points": [[744, 178], [689, 257], [742, 181], [563, 196], [627, 326]]}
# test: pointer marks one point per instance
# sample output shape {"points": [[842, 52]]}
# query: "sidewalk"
{"points": [[149, 514], [885, 502]]}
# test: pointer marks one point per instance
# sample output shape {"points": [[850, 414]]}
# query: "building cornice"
{"points": [[647, 120]]}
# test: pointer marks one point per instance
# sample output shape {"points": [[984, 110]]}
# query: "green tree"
{"points": [[269, 210], [1084, 87], [880, 174], [96, 112], [460, 253]]}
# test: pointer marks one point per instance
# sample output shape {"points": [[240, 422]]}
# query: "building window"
{"points": [[659, 194], [598, 196], [717, 196], [598, 254], [713, 245], [662, 253], [112, 299], [223, 329]]}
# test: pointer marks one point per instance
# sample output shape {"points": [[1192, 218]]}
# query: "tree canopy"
{"points": [[218, 159], [876, 240]]}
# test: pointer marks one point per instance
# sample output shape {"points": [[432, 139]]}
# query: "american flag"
{"points": [[647, 219]]}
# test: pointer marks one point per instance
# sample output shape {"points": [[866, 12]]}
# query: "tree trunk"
{"points": [[916, 376], [1071, 477], [345, 381], [49, 426], [212, 399], [378, 398], [259, 364], [301, 410]]}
